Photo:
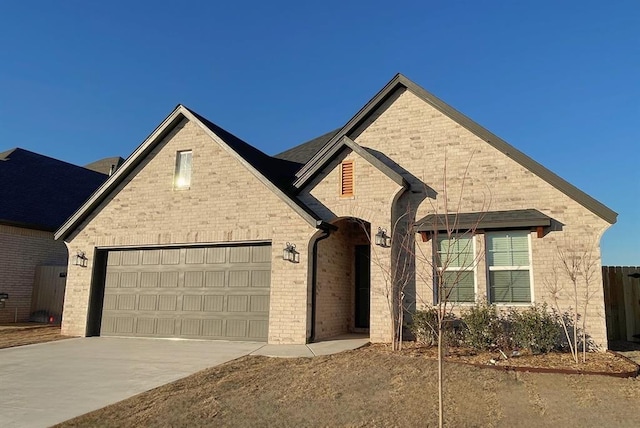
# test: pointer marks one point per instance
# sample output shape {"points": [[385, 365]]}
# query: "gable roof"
{"points": [[401, 83], [305, 151], [39, 192], [273, 173]]}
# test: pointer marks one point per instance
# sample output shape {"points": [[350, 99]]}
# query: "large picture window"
{"points": [[509, 265], [455, 261]]}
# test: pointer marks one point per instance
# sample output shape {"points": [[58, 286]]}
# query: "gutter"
{"points": [[314, 280]]}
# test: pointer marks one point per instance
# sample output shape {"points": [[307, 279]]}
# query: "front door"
{"points": [[363, 285]]}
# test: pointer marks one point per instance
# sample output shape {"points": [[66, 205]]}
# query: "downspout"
{"points": [[314, 283]]}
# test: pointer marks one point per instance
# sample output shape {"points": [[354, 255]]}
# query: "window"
{"points": [[346, 178], [455, 261], [509, 265], [182, 178]]}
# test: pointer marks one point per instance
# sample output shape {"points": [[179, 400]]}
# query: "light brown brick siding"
{"points": [[225, 203], [21, 250], [425, 143], [373, 195]]}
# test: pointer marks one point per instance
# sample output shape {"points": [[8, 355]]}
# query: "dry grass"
{"points": [[28, 334], [373, 387]]}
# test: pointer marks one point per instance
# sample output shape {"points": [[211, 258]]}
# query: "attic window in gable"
{"points": [[346, 178], [182, 177]]}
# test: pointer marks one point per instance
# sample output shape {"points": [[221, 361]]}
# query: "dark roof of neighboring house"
{"points": [[302, 153], [106, 165], [40, 192]]}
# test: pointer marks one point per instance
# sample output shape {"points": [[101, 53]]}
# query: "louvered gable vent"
{"points": [[346, 178]]}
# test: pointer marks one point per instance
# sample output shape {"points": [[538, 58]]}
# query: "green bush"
{"points": [[535, 328], [483, 327], [424, 326]]}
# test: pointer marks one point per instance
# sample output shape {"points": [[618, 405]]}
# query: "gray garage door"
{"points": [[206, 293]]}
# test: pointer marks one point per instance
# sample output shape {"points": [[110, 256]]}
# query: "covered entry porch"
{"points": [[341, 290]]}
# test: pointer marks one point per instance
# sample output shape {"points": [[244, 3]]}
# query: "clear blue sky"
{"points": [[559, 80]]}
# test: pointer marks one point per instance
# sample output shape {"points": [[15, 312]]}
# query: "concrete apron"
{"points": [[48, 383]]}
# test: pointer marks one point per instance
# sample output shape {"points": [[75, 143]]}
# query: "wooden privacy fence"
{"points": [[622, 302], [47, 298]]}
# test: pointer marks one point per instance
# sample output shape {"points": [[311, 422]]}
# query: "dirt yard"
{"points": [[28, 334], [373, 387]]}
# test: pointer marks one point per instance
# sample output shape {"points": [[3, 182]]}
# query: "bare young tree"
{"points": [[573, 279], [448, 266]]}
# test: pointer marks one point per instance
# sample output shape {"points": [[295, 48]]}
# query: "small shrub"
{"points": [[484, 328], [424, 327], [535, 328]]}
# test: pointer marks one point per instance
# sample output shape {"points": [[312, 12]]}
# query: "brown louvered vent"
{"points": [[346, 178]]}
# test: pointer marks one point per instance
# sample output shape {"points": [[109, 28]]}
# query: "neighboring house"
{"points": [[106, 166], [37, 194], [188, 237]]}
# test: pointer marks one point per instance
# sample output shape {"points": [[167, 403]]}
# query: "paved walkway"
{"points": [[47, 383]]}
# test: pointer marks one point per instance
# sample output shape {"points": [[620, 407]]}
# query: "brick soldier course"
{"points": [[400, 144]]}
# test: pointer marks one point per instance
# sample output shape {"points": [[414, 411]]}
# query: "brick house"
{"points": [[37, 194], [188, 238]]}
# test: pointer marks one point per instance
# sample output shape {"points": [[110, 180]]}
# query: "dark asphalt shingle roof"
{"points": [[104, 166], [305, 151], [279, 171], [484, 220], [40, 192]]}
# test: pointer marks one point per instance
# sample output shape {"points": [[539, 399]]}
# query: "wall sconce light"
{"points": [[80, 259], [289, 253], [382, 239]]}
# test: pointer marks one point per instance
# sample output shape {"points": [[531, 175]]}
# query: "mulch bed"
{"points": [[28, 334]]}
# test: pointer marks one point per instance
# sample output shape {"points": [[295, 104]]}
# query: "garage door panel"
{"points": [[260, 278], [208, 292], [166, 327], [171, 257], [214, 279], [261, 254], [130, 258], [213, 303], [147, 302], [112, 280], [195, 256], [194, 279], [169, 279], [239, 278], [216, 255], [146, 326], [212, 328], [151, 257], [258, 328], [190, 327], [167, 302], [259, 304], [192, 303]]}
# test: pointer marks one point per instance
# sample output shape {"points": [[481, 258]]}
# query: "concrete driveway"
{"points": [[41, 385]]}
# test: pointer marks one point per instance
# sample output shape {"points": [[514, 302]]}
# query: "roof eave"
{"points": [[308, 171], [129, 164], [178, 114]]}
